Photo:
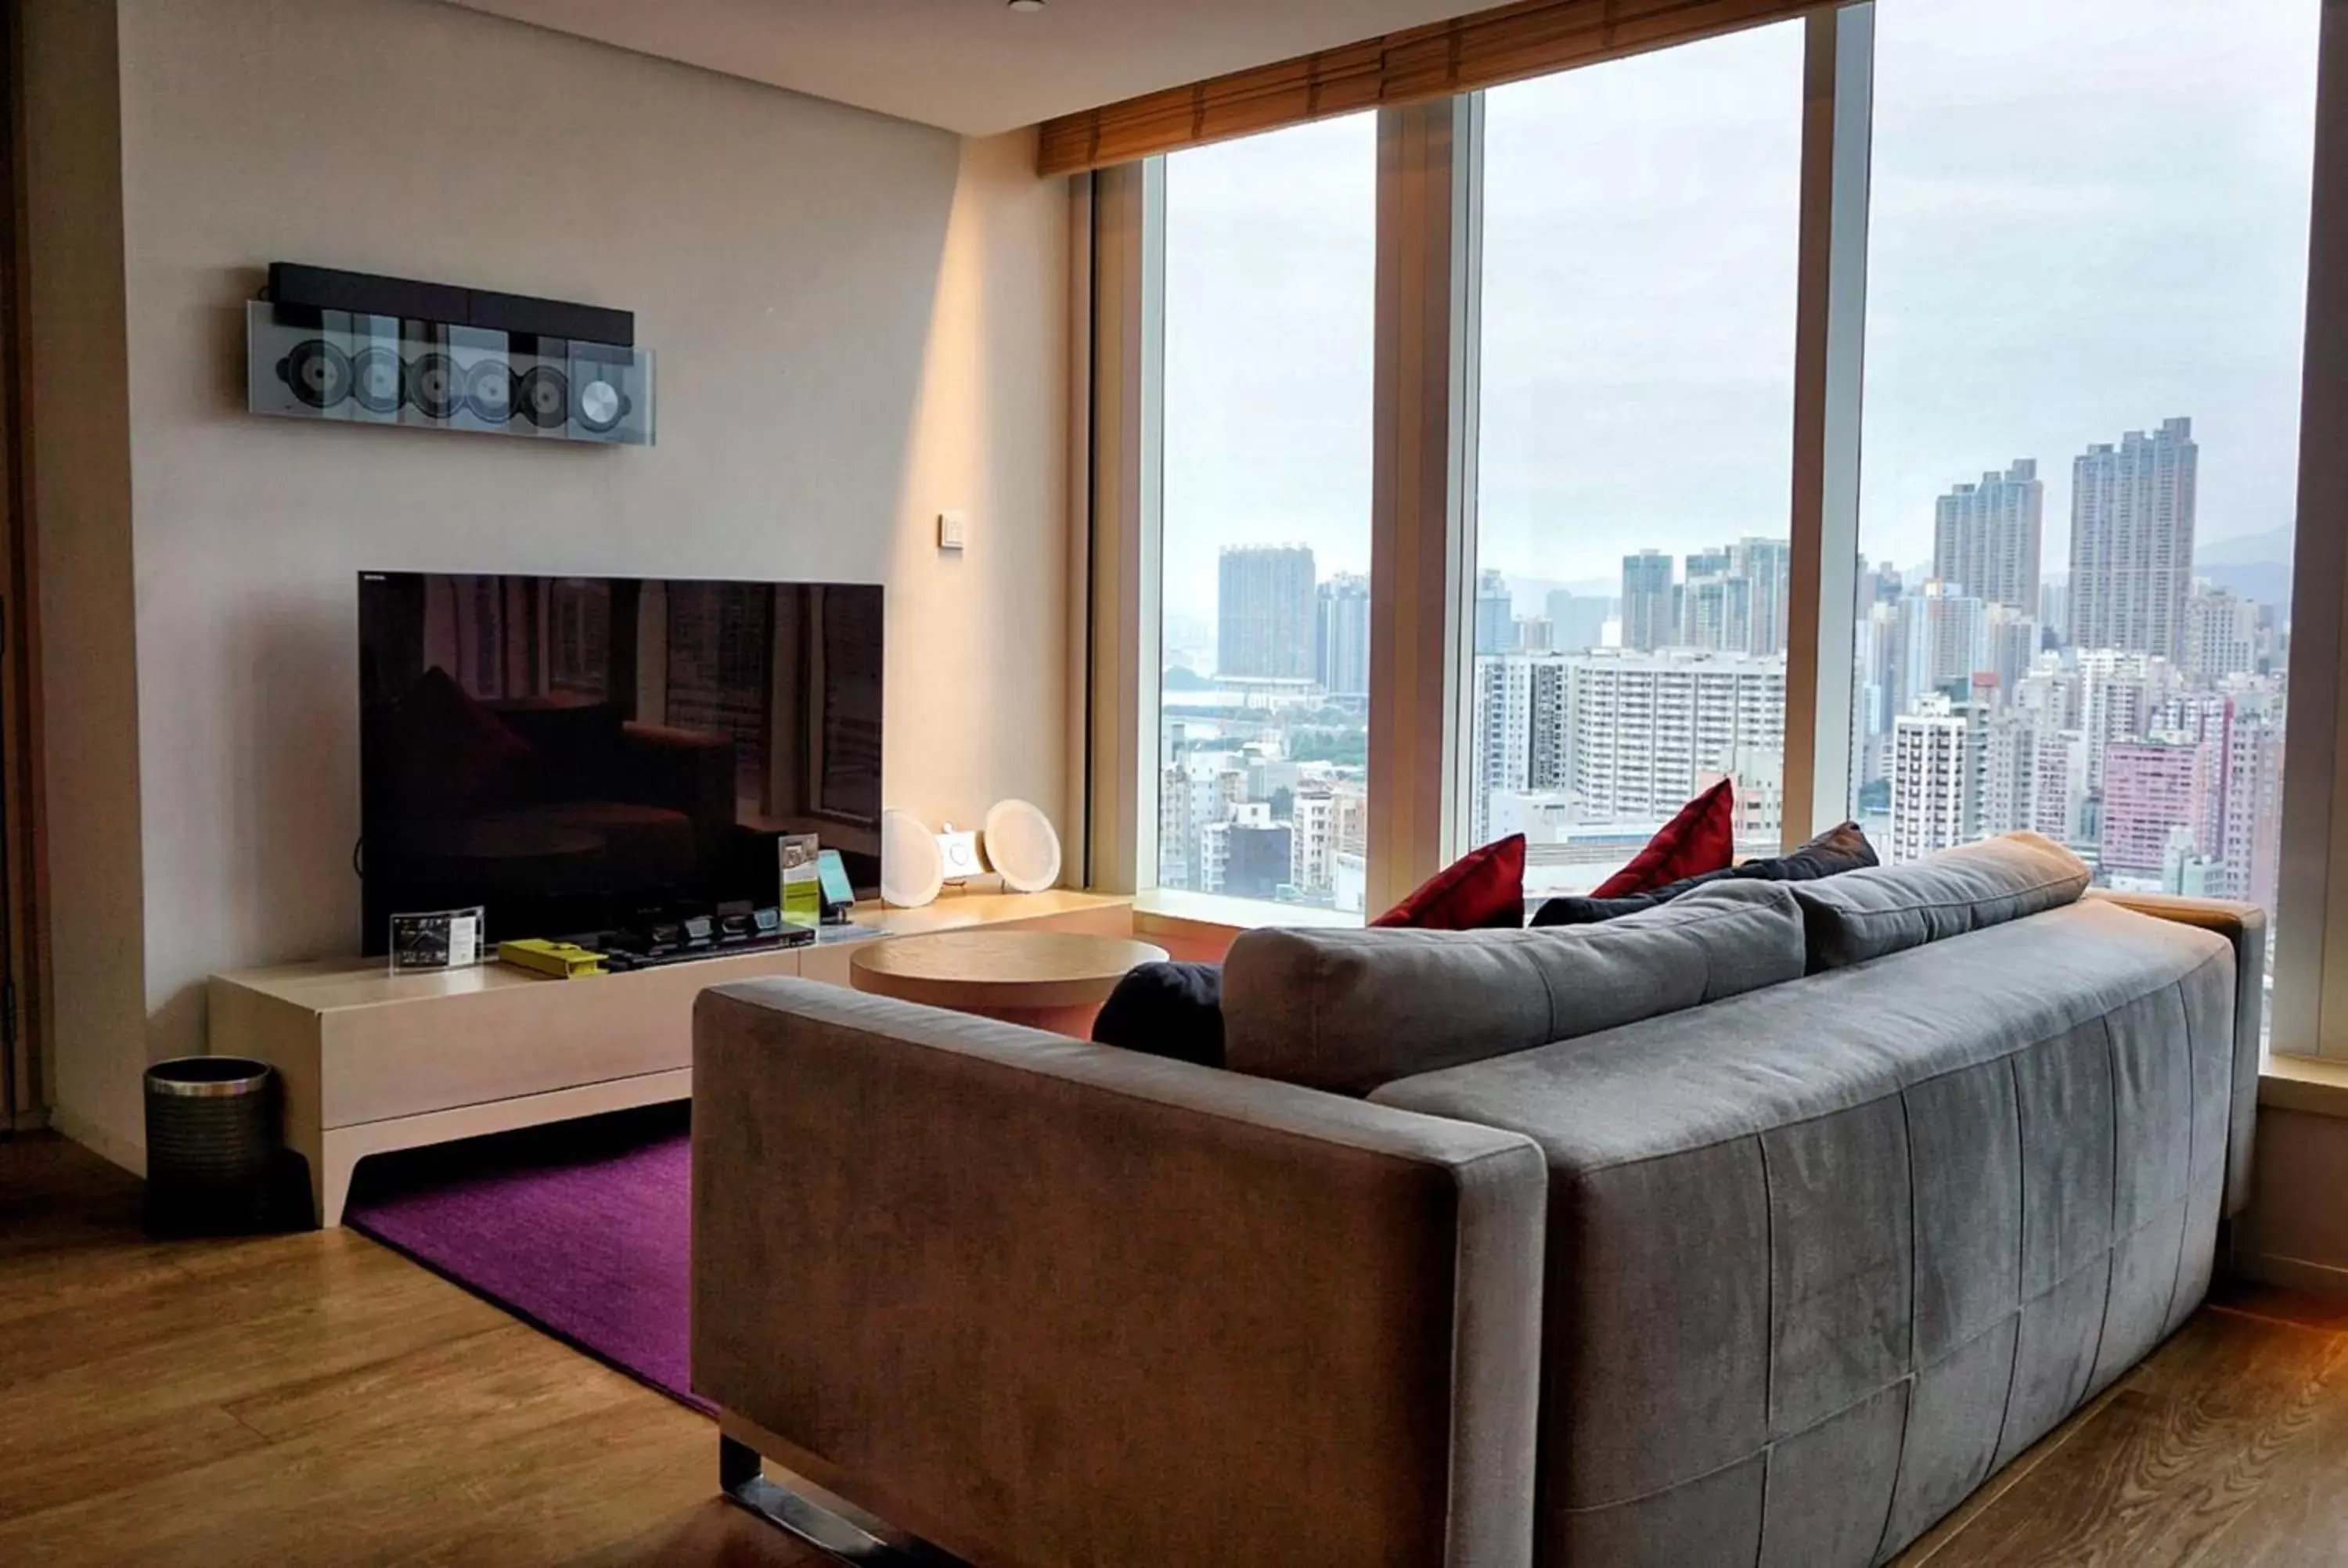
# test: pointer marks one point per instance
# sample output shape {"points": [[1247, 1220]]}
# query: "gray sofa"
{"points": [[1759, 1228]]}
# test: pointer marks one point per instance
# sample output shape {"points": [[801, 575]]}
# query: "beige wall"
{"points": [[859, 322], [79, 439]]}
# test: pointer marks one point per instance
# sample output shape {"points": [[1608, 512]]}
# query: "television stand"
{"points": [[371, 1061]]}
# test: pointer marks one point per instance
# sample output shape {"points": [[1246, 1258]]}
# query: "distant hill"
{"points": [[1530, 594], [2252, 566], [2269, 549], [2264, 582]]}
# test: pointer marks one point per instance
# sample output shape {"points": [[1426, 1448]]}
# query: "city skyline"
{"points": [[2154, 749]]}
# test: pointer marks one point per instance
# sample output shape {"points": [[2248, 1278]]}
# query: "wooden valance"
{"points": [[1509, 43]]}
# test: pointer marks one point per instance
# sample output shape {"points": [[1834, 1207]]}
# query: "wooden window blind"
{"points": [[1530, 38]]}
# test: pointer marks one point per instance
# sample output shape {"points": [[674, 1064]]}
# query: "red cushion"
{"points": [[1701, 838], [1483, 887]]}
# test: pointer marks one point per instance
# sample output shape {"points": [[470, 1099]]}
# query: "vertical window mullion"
{"points": [[2311, 986], [1417, 581], [1466, 375], [1128, 328], [1829, 354]]}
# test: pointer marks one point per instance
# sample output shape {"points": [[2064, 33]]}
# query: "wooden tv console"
{"points": [[373, 1061]]}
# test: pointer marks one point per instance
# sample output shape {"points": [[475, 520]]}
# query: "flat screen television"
{"points": [[580, 754]]}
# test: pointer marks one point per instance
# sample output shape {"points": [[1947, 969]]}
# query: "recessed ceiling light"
{"points": [[1027, 4]]}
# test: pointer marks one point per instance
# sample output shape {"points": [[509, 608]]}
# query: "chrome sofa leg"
{"points": [[742, 1477]]}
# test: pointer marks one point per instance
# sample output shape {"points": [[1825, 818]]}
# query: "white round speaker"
{"points": [[911, 870], [1021, 847]]}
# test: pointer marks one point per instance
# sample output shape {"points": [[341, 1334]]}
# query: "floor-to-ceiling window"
{"points": [[2019, 285], [2088, 250], [1269, 258], [1635, 408]]}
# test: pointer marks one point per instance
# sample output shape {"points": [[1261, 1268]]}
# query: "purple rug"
{"points": [[583, 1229]]}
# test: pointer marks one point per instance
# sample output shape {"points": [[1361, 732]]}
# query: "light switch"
{"points": [[952, 528]]}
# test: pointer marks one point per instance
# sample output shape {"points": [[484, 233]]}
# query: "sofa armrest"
{"points": [[1053, 1303], [2245, 927]]}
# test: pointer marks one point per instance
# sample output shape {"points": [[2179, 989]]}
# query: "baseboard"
{"points": [[131, 1157], [2292, 1273]]}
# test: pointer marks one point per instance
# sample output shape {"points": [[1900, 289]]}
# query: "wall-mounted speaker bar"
{"points": [[357, 348], [297, 287]]}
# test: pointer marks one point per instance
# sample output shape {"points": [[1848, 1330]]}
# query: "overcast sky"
{"points": [[2088, 216]]}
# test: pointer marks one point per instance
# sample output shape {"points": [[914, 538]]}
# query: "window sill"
{"points": [[2315, 1085], [1210, 914]]}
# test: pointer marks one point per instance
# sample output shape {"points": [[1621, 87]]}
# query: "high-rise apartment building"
{"points": [[2240, 828], [1734, 598], [2132, 541], [2009, 772], [1985, 536], [2119, 695], [2058, 786], [1640, 730], [1180, 812], [2010, 647], [2152, 788], [2252, 820], [1708, 563], [2055, 608], [1882, 675], [2052, 692], [1341, 635], [1313, 817], [1768, 566], [1649, 620], [1520, 732], [1715, 611], [1496, 614], [1878, 584], [1944, 640], [1195, 793], [2221, 636], [1938, 757], [1627, 735], [1503, 755], [1577, 620], [1265, 613], [1256, 859]]}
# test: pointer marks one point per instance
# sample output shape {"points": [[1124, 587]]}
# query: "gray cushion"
{"points": [[1863, 915], [1349, 1010]]}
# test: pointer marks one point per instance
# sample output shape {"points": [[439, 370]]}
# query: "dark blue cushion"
{"points": [[1843, 848], [1166, 1009]]}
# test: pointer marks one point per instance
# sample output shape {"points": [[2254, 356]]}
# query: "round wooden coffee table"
{"points": [[1045, 980]]}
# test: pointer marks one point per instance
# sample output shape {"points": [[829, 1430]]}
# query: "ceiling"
{"points": [[975, 66]]}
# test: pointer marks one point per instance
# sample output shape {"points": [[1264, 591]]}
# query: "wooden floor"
{"points": [[317, 1400], [313, 1399]]}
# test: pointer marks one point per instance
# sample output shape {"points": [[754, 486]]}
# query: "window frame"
{"points": [[1423, 524]]}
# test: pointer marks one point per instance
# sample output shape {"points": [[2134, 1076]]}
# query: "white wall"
{"points": [[859, 322], [78, 445]]}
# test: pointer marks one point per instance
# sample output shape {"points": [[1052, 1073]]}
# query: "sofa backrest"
{"points": [[1824, 1256], [1885, 909], [1348, 1010]]}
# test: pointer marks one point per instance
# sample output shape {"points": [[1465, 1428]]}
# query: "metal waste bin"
{"points": [[211, 1136]]}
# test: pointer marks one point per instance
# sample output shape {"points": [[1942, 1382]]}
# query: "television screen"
{"points": [[582, 754]]}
